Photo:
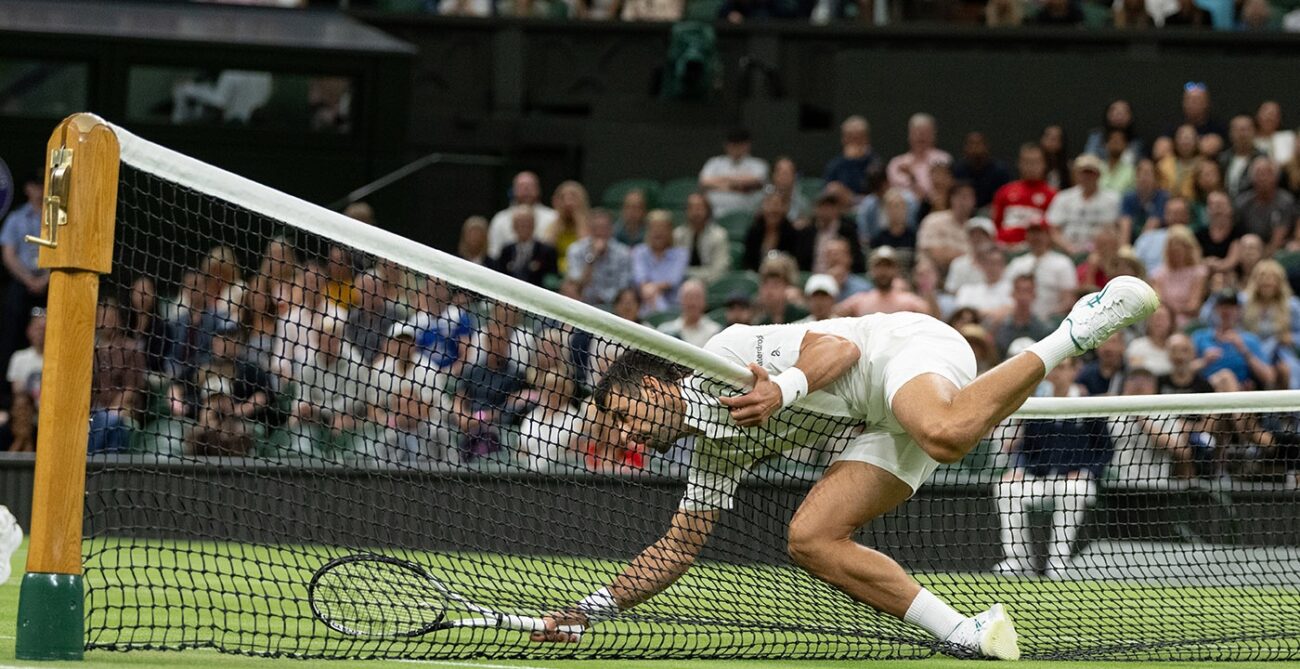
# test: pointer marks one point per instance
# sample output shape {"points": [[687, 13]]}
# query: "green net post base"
{"points": [[51, 618]]}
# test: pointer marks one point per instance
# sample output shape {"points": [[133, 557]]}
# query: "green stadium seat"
{"points": [[811, 187], [731, 282], [737, 254], [719, 315], [613, 197], [736, 225], [1290, 260], [675, 191], [655, 320], [405, 6], [703, 10]]}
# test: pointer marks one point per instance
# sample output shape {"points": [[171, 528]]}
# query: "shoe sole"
{"points": [[1001, 641]]}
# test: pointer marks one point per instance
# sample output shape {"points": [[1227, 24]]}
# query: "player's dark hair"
{"points": [[627, 375]]}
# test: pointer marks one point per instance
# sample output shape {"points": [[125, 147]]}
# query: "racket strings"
{"points": [[375, 598]]}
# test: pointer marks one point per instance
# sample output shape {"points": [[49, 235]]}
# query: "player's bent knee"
{"points": [[806, 547], [947, 442]]}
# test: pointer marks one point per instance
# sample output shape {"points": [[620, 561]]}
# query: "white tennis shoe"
{"points": [[990, 634], [1123, 301], [11, 536]]}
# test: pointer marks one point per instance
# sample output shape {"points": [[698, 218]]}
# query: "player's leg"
{"points": [[948, 421], [850, 495]]}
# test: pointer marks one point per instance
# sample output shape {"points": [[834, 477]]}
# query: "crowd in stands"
{"points": [[336, 353]]}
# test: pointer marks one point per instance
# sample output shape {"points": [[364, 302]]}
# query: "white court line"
{"points": [[453, 663]]}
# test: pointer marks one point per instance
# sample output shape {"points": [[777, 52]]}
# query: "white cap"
{"points": [[218, 385], [1018, 346], [824, 283], [982, 223]]}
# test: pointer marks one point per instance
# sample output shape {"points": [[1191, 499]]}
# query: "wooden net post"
{"points": [[77, 247]]}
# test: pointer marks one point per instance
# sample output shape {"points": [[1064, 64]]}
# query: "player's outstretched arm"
{"points": [[656, 568], [822, 359]]}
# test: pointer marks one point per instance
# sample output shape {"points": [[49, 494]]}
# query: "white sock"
{"points": [[933, 614], [1053, 348]]}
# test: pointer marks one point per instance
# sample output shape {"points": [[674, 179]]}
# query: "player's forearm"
{"points": [[662, 563]]}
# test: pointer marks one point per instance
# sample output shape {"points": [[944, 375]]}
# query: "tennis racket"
{"points": [[370, 595]]}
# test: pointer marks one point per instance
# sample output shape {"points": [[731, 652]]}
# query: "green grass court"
{"points": [[1201, 607]]}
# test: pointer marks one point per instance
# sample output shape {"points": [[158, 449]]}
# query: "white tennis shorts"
{"points": [[929, 347]]}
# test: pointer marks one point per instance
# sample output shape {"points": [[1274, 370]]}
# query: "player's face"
{"points": [[650, 419]]}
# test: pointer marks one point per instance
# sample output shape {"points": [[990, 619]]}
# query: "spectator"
{"points": [[339, 275], [118, 385], [483, 391], [1265, 209], [402, 393], [991, 296], [1142, 209], [599, 266], [1102, 264], [1077, 212], [547, 433], [739, 309], [251, 388], [1021, 321], [526, 191], [1177, 168], [827, 225], [1119, 116], [1258, 15], [263, 345], [278, 272], [734, 180], [942, 236], [1277, 143], [1196, 106], [627, 305], [1180, 281], [856, 156], [1054, 274], [473, 240], [1207, 177], [870, 210], [329, 402], [1151, 450], [888, 296], [707, 246], [668, 11], [1056, 157], [572, 213], [1055, 463], [191, 322], [24, 376], [981, 344], [361, 211], [941, 182], [1151, 352], [1023, 203], [821, 291], [897, 231], [1184, 374], [526, 258], [911, 171], [220, 430], [1189, 16], [1250, 251], [837, 260], [1227, 346], [1218, 240], [629, 229], [775, 277], [1235, 160], [928, 285], [693, 326], [1117, 168], [1272, 313], [1105, 375], [658, 267], [29, 285], [963, 269], [772, 230], [785, 183], [144, 323], [978, 167], [1065, 13], [375, 313], [1000, 13]]}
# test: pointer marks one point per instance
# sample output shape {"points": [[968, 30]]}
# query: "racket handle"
{"points": [[531, 624]]}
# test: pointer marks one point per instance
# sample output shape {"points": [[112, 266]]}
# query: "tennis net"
{"points": [[278, 386]]}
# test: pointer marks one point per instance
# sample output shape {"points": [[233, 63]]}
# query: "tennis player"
{"points": [[908, 377]]}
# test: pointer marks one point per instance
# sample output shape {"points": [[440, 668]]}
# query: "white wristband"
{"points": [[599, 605], [793, 384]]}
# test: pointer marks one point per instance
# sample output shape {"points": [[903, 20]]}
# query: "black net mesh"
{"points": [[266, 400]]}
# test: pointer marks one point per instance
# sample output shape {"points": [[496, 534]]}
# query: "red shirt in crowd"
{"points": [[1018, 205]]}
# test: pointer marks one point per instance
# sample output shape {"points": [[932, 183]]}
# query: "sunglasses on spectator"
{"points": [[38, 312], [1193, 86]]}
